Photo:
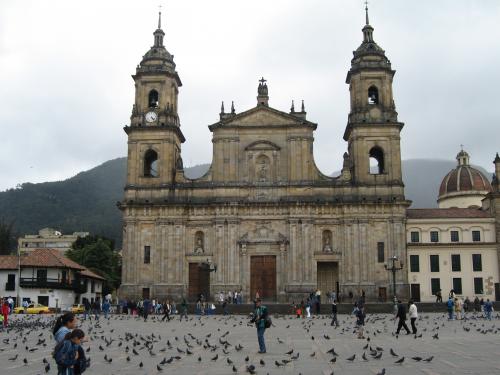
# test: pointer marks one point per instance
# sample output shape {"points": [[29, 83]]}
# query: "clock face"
{"points": [[151, 116]]}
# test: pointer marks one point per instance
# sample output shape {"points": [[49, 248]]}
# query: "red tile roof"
{"points": [[88, 273], [47, 258], [446, 213], [50, 258], [8, 262]]}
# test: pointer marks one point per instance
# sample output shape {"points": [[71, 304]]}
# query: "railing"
{"points": [[28, 282], [9, 287]]}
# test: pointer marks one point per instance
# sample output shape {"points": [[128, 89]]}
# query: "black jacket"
{"points": [[401, 311]]}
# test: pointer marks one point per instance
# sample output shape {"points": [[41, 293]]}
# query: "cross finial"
{"points": [[366, 10], [262, 80], [159, 16], [462, 147]]}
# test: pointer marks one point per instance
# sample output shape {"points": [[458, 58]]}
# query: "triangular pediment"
{"points": [[262, 116]]}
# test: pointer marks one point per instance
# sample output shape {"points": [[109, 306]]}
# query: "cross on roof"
{"points": [[462, 146], [262, 80]]}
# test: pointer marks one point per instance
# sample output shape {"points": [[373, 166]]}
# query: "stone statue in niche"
{"points": [[262, 169], [327, 241], [199, 243]]}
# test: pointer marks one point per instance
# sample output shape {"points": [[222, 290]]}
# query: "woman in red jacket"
{"points": [[5, 312]]}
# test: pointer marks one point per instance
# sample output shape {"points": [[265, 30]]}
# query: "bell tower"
{"points": [[154, 135], [373, 130]]}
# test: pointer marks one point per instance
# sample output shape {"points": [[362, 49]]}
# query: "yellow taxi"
{"points": [[33, 308], [77, 309]]}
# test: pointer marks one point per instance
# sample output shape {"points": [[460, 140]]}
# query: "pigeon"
{"points": [[418, 359], [13, 358], [400, 360], [278, 364], [159, 368], [351, 358], [141, 365], [215, 358], [312, 354], [235, 369], [429, 359], [247, 359], [364, 357], [262, 362], [229, 362], [289, 352], [393, 353], [333, 360], [47, 367]]}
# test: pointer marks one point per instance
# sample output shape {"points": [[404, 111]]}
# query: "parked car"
{"points": [[33, 308], [77, 309]]}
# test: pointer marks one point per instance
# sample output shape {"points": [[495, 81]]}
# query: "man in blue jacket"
{"points": [[260, 322]]}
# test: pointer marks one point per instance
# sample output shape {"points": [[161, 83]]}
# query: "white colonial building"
{"points": [[455, 246], [48, 278]]}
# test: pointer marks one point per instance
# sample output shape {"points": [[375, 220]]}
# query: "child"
{"points": [[66, 352]]}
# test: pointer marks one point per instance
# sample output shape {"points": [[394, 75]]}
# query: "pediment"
{"points": [[262, 116]]}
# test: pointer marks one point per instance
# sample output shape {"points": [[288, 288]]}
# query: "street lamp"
{"points": [[394, 268], [18, 286]]}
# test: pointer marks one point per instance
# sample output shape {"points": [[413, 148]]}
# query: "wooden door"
{"points": [[199, 281], [382, 294], [263, 277], [415, 292], [327, 277]]}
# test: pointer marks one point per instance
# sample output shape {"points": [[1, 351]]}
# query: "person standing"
{"points": [[86, 309], [412, 311], [5, 312], [184, 308], [318, 301], [360, 320], [334, 314], [449, 306], [401, 315], [260, 317], [105, 308], [488, 309], [458, 308]]}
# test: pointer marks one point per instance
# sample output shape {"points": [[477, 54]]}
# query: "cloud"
{"points": [[66, 90]]}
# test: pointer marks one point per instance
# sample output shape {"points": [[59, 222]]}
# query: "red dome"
{"points": [[464, 178]]}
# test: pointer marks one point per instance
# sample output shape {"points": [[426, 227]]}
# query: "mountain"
{"points": [[87, 201]]}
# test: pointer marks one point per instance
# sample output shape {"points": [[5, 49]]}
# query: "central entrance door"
{"points": [[199, 281], [263, 277], [328, 277]]}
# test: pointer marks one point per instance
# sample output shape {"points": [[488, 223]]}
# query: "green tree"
{"points": [[98, 254], [7, 239]]}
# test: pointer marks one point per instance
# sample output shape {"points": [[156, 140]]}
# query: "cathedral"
{"points": [[263, 218]]}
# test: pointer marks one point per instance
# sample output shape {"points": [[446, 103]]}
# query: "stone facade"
{"points": [[263, 196]]}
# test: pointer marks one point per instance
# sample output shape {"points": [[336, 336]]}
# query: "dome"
{"points": [[463, 186]]}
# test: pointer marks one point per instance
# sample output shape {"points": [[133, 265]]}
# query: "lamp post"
{"points": [[394, 267], [18, 286]]}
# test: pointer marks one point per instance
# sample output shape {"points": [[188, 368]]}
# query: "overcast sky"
{"points": [[66, 90]]}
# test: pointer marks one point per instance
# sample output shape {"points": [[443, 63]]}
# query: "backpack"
{"points": [[268, 322]]}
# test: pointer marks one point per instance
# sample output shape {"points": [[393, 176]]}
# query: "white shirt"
{"points": [[413, 311]]}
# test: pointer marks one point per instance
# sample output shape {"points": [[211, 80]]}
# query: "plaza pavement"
{"points": [[462, 347]]}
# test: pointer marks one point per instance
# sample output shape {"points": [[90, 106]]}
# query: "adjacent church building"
{"points": [[264, 218]]}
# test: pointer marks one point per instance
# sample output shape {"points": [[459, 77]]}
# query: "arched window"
{"points": [[151, 164], [372, 95], [377, 160], [153, 99]]}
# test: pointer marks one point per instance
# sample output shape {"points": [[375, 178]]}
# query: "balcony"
{"points": [[80, 286], [9, 287], [45, 283]]}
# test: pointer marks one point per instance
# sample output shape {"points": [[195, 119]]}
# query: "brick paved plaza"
{"points": [[462, 347]]}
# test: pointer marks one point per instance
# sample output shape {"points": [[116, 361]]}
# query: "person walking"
{"points": [[439, 296], [360, 320], [146, 305], [260, 317], [412, 311], [401, 315], [458, 308], [166, 311], [96, 307], [334, 314], [86, 309]]}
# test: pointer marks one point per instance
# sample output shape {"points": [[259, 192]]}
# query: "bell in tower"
{"points": [[373, 130]]}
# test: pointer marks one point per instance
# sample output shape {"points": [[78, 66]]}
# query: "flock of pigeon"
{"points": [[227, 344]]}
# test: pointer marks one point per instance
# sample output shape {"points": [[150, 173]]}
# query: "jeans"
{"points": [[413, 326], [260, 337], [106, 312], [450, 314], [488, 315], [334, 320]]}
